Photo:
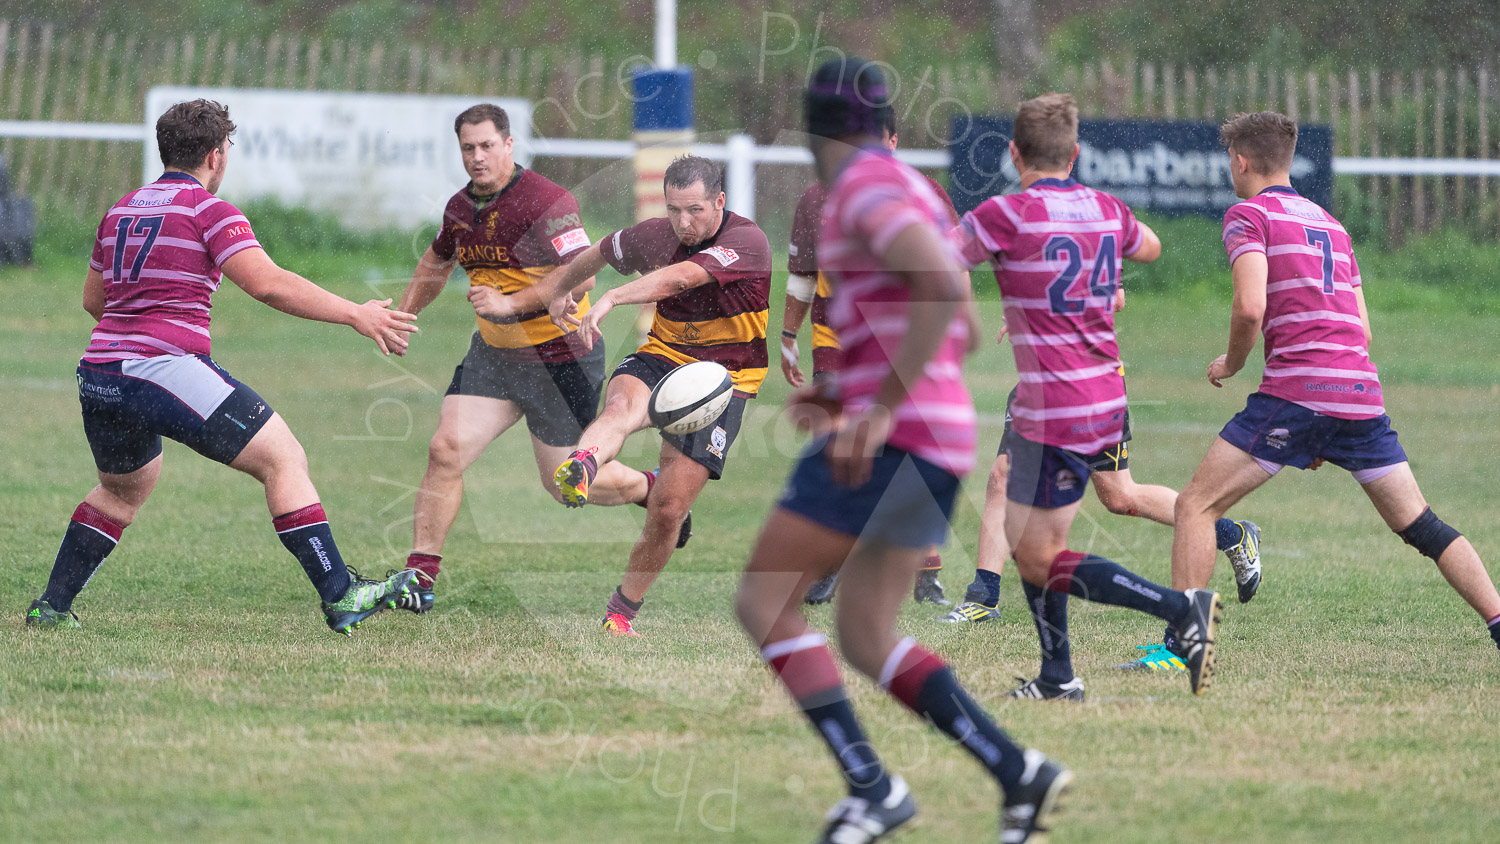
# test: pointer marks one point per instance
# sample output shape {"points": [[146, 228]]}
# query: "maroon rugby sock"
{"points": [[426, 566]]}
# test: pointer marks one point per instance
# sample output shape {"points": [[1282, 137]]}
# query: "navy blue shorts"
{"points": [[1051, 477], [1116, 458], [906, 502], [128, 406], [1274, 430]]}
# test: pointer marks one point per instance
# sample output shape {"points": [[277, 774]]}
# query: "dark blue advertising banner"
{"points": [[1171, 167]]}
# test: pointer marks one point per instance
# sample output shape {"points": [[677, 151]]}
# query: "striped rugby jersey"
{"points": [[522, 233], [1314, 339], [802, 259], [874, 199], [724, 320], [159, 249], [1057, 248]]}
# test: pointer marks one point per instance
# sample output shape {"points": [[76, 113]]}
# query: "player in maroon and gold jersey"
{"points": [[808, 292], [709, 272], [507, 228]]}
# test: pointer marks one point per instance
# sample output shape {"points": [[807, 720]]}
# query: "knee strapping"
{"points": [[1429, 534]]}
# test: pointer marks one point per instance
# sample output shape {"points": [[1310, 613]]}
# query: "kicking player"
{"points": [[807, 293], [159, 256], [1297, 284], [507, 228], [1057, 249], [877, 487], [709, 272]]}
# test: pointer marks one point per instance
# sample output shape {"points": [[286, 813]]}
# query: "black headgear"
{"points": [[847, 97]]}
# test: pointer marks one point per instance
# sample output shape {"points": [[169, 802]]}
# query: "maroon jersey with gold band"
{"points": [[723, 321], [802, 259], [525, 231]]}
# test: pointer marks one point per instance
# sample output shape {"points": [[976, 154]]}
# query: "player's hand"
{"points": [[1316, 464], [490, 303], [1219, 370], [588, 325], [562, 311], [389, 329], [1004, 332], [814, 408], [851, 450], [1119, 299], [791, 356]]}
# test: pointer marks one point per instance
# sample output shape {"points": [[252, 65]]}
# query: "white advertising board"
{"points": [[374, 160]]}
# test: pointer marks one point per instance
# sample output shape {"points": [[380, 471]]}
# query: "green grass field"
{"points": [[1356, 698]]}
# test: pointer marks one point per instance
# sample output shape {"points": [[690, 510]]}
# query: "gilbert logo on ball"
{"points": [[690, 398]]}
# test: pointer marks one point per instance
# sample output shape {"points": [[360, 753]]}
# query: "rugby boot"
{"points": [[821, 591], [1245, 558], [41, 614], [1157, 657], [617, 624], [1027, 808], [417, 598], [855, 820], [1195, 634], [928, 590], [685, 532], [971, 612], [1040, 689], [573, 477], [365, 598]]}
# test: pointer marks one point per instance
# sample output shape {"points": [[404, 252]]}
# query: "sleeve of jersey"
{"points": [[739, 254], [982, 234], [96, 261], [622, 250], [442, 243], [802, 251], [567, 239], [226, 232], [1353, 271], [1244, 231], [1130, 230]]}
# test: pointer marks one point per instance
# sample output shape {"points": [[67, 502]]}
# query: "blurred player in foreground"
{"points": [[507, 228], [877, 487], [159, 256], [807, 294], [1057, 249], [1297, 284], [709, 272]]}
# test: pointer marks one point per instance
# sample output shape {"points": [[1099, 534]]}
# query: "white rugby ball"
{"points": [[690, 397]]}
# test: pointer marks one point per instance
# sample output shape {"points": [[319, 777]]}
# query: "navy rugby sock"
{"points": [[1106, 582], [90, 537], [917, 678], [1494, 629], [306, 534], [985, 589], [1050, 612], [806, 667], [1227, 533]]}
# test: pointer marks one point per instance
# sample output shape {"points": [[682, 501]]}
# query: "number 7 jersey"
{"points": [[1057, 249], [1315, 348], [159, 249]]}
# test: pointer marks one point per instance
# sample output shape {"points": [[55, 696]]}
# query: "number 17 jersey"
{"points": [[159, 249], [1057, 249]]}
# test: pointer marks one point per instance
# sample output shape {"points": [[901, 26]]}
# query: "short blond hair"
{"points": [[1267, 139], [1046, 130]]}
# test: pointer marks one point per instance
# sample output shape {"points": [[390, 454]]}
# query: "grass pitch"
{"points": [[1356, 698]]}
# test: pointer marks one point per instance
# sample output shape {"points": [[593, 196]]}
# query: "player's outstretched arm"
{"points": [[651, 287], [1249, 273], [558, 292], [1364, 317], [1150, 248], [256, 274], [427, 282], [93, 294]]}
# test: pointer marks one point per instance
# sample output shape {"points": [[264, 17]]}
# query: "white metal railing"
{"points": [[741, 155]]}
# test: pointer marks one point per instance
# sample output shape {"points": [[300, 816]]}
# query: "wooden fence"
{"points": [[50, 74]]}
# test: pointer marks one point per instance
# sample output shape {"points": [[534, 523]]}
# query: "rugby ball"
{"points": [[690, 398]]}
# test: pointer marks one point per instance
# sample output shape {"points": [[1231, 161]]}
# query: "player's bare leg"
{"points": [[624, 413], [1225, 476], [1400, 503], [121, 496], [981, 602], [677, 487], [276, 459], [466, 427], [1121, 495]]}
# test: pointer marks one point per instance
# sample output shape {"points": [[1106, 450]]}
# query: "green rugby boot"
{"points": [[365, 598], [1157, 657], [42, 614]]}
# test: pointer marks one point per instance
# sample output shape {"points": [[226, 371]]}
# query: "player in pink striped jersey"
{"points": [[158, 259], [1057, 248], [878, 486], [1297, 284]]}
